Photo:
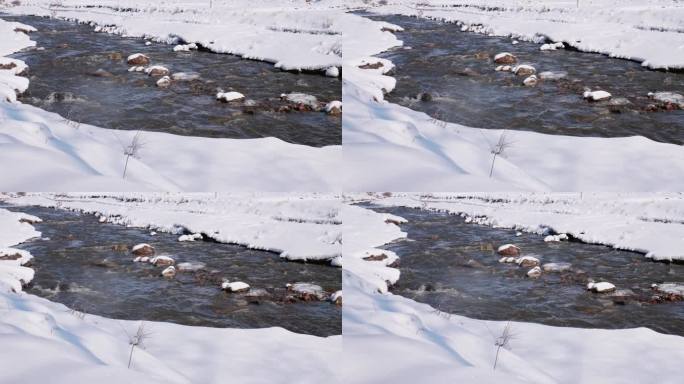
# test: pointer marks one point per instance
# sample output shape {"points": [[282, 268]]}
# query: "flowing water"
{"points": [[456, 68], [76, 265], [63, 81], [454, 267]]}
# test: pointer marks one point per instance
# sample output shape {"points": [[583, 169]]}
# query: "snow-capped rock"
{"points": [[556, 267], [191, 237], [332, 72], [141, 259], [334, 108], [102, 219], [157, 70], [336, 298], [524, 70], [227, 97], [143, 250], [668, 99], [672, 291], [503, 68], [556, 238], [508, 250], [164, 82], [302, 101], [138, 59], [534, 272], [505, 58], [508, 259], [596, 95], [307, 291], [137, 68], [169, 271], [552, 46], [530, 81], [185, 47], [236, 286], [160, 261], [600, 287], [527, 261]]}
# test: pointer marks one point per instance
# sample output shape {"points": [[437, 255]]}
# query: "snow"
{"points": [[552, 46], [601, 287], [140, 246], [185, 76], [668, 97], [185, 47], [229, 96], [642, 222], [556, 238], [137, 56], [164, 82], [332, 72], [301, 98], [534, 272], [390, 147], [40, 336], [192, 237], [393, 338], [336, 104], [169, 271], [597, 95], [66, 155], [295, 35], [162, 260], [237, 286], [296, 226]]}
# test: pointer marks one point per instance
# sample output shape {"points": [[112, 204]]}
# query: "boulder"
{"points": [[527, 261], [505, 58], [141, 259], [336, 298], [138, 59], [169, 271], [334, 108], [307, 291], [675, 100], [508, 259], [227, 97], [157, 70], [301, 101], [530, 81], [161, 261], [143, 250], [508, 250], [534, 272], [236, 286], [600, 287], [669, 291], [164, 82], [101, 73], [596, 95], [524, 70], [185, 76]]}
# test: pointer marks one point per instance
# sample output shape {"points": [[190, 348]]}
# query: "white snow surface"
{"points": [[389, 338], [44, 339], [390, 147], [48, 152]]}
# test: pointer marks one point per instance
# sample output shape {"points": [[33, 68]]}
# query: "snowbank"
{"points": [[295, 35], [297, 226], [392, 338]]}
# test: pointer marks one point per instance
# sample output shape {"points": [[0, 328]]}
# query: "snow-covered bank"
{"points": [[646, 31], [299, 227], [389, 147], [294, 35], [49, 152], [42, 340], [395, 338]]}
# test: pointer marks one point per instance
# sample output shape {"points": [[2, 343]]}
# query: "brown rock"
{"points": [[143, 250]]}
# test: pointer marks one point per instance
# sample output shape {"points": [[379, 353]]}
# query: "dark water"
{"points": [[132, 101], [467, 89], [454, 267], [77, 267]]}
